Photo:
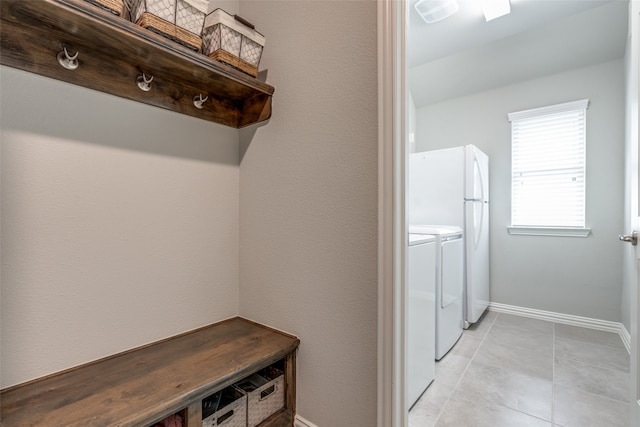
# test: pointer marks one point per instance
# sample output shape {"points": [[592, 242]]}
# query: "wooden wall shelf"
{"points": [[113, 52], [143, 386]]}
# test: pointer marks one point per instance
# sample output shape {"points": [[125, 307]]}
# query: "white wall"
{"points": [[119, 224], [566, 275], [308, 202]]}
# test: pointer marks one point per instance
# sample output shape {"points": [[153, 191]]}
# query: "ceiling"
{"points": [[464, 54]]}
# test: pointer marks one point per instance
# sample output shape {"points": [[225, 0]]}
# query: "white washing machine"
{"points": [[449, 265], [421, 315]]}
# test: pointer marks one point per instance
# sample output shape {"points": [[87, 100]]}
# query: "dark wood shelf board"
{"points": [[113, 52]]}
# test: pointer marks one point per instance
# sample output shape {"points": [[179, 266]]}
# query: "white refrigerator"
{"points": [[451, 186]]}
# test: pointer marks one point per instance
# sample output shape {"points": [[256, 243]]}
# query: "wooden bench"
{"points": [[144, 385]]}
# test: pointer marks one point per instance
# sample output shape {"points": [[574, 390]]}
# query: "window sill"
{"points": [[549, 231]]}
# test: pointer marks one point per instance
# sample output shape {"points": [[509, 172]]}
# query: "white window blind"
{"points": [[548, 166]]}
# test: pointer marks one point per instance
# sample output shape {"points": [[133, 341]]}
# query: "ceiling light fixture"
{"points": [[435, 10], [495, 8]]}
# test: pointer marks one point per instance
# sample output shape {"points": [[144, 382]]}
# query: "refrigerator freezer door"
{"points": [[436, 187]]}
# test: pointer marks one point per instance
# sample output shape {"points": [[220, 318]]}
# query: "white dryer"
{"points": [[421, 315], [449, 283]]}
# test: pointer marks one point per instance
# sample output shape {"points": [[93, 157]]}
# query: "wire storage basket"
{"points": [[178, 20], [232, 40]]}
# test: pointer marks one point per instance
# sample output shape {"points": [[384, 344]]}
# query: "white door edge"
{"points": [[634, 176], [392, 409]]}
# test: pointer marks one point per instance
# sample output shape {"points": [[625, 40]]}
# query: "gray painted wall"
{"points": [[123, 223], [119, 224], [575, 276], [308, 202]]}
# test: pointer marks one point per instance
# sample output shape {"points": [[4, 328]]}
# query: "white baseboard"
{"points": [[301, 422], [626, 337], [566, 319]]}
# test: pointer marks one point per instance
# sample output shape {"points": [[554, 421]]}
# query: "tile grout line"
{"points": [[590, 365], [455, 387], [554, 335], [593, 364], [551, 420], [519, 330], [596, 395], [596, 344], [546, 421]]}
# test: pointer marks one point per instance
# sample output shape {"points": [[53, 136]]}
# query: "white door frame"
{"points": [[392, 235], [633, 82], [392, 231]]}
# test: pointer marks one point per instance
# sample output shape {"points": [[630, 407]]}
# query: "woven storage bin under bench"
{"points": [[227, 408], [232, 40], [265, 394], [178, 20]]}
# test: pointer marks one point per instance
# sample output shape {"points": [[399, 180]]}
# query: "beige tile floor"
{"points": [[511, 371]]}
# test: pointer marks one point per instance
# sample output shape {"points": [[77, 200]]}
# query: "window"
{"points": [[548, 168]]}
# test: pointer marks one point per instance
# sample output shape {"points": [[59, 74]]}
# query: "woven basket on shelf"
{"points": [[232, 40], [229, 59], [170, 31], [177, 20], [114, 6]]}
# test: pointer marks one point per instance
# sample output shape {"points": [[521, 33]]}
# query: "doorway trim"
{"points": [[392, 237]]}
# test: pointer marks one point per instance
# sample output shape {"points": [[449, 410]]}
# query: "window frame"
{"points": [[546, 230]]}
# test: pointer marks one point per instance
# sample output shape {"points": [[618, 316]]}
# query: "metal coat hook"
{"points": [[70, 62], [144, 83], [198, 101]]}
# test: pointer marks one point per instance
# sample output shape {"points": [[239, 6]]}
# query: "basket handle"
{"points": [[224, 417], [267, 392], [244, 22]]}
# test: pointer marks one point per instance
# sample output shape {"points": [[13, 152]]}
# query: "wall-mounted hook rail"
{"points": [[115, 52], [70, 62]]}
